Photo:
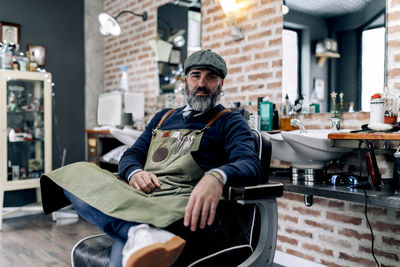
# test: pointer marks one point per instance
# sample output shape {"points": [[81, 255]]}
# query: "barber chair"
{"points": [[244, 235]]}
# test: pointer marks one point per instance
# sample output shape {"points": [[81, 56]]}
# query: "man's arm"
{"points": [[243, 167], [134, 158]]}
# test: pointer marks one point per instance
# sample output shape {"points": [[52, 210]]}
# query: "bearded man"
{"points": [[175, 173]]}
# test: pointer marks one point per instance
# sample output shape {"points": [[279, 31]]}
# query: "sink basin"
{"points": [[282, 150], [305, 150]]}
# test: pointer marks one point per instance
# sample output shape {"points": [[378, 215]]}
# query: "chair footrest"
{"points": [[257, 192]]}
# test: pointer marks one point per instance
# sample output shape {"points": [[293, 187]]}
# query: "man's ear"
{"points": [[185, 79], [222, 83]]}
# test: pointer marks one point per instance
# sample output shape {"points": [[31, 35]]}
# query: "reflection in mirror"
{"points": [[178, 29], [334, 46]]}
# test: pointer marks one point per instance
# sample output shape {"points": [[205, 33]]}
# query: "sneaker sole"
{"points": [[158, 254]]}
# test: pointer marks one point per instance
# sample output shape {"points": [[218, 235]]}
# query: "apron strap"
{"points": [[216, 117], [164, 117]]}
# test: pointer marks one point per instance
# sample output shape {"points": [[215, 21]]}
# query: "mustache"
{"points": [[202, 89]]}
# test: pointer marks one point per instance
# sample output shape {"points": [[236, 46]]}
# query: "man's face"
{"points": [[202, 89]]}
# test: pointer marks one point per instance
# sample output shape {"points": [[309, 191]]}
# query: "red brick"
{"points": [[343, 218], [370, 210], [354, 233], [298, 232], [356, 259], [330, 264], [323, 226], [260, 76], [267, 54], [391, 241], [334, 241], [386, 227], [307, 211], [318, 249], [288, 240], [378, 252], [327, 202], [299, 254], [266, 12], [275, 42], [259, 35], [274, 85], [293, 196], [288, 218]]}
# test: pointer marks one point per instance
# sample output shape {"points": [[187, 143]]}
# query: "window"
{"points": [[290, 64], [373, 64]]}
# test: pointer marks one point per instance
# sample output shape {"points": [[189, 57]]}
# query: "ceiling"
{"points": [[327, 8]]}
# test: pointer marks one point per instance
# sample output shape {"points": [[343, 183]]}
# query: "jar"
{"points": [[377, 110]]}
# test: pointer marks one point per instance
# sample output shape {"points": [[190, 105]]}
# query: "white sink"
{"points": [[305, 150]]}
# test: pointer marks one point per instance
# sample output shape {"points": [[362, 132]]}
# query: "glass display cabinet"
{"points": [[25, 131]]}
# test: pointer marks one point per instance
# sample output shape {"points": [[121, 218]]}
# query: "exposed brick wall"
{"points": [[331, 232], [132, 49], [335, 232]]}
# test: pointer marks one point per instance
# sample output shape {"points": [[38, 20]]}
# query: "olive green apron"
{"points": [[169, 158]]}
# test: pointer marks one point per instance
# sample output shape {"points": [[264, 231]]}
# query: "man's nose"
{"points": [[202, 81]]}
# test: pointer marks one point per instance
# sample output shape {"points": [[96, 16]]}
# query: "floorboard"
{"points": [[36, 240]]}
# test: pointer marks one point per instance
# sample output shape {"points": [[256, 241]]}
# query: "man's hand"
{"points": [[144, 181], [203, 203]]}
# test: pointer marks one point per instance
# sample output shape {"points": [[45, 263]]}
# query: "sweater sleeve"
{"points": [[135, 157], [244, 166]]}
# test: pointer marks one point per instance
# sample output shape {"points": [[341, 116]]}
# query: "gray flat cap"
{"points": [[206, 59]]}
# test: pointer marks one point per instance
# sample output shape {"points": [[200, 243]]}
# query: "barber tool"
{"points": [[187, 144], [178, 144], [374, 176]]}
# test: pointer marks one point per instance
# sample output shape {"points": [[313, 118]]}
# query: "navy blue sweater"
{"points": [[227, 145]]}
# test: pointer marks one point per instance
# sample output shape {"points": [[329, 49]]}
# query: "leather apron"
{"points": [[169, 157]]}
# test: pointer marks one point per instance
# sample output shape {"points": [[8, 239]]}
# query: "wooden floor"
{"points": [[35, 240]]}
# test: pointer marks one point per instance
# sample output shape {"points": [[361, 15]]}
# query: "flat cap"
{"points": [[206, 59]]}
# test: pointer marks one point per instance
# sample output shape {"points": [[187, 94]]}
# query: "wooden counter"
{"points": [[380, 140]]}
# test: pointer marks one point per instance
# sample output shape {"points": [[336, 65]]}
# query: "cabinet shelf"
{"points": [[323, 56]]}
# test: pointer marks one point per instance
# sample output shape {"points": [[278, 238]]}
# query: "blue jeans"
{"points": [[114, 227]]}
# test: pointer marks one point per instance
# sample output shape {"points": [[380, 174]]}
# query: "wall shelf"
{"points": [[323, 56]]}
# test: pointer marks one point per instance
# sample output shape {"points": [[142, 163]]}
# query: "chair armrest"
{"points": [[254, 193]]}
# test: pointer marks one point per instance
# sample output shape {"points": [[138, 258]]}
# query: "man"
{"points": [[176, 170]]}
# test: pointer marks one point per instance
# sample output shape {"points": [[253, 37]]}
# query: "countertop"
{"points": [[385, 198]]}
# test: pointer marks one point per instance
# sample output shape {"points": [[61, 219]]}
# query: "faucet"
{"points": [[335, 125], [298, 123]]}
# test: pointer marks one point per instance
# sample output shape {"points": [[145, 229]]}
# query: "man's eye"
{"points": [[212, 77], [195, 76]]}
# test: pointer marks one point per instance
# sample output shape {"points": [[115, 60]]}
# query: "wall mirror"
{"points": [[334, 46], [179, 35]]}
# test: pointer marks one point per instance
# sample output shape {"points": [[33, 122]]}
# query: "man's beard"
{"points": [[202, 103]]}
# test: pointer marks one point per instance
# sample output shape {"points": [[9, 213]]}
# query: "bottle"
{"points": [[376, 114], [254, 122], [7, 56], [32, 62], [123, 85], [286, 110], [275, 118], [298, 103], [266, 115], [389, 100]]}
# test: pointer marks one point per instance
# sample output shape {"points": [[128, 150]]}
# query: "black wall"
{"points": [[59, 26]]}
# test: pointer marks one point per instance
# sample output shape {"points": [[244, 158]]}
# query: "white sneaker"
{"points": [[149, 246]]}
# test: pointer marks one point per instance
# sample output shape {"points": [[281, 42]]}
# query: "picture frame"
{"points": [[319, 88], [10, 32], [38, 52]]}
